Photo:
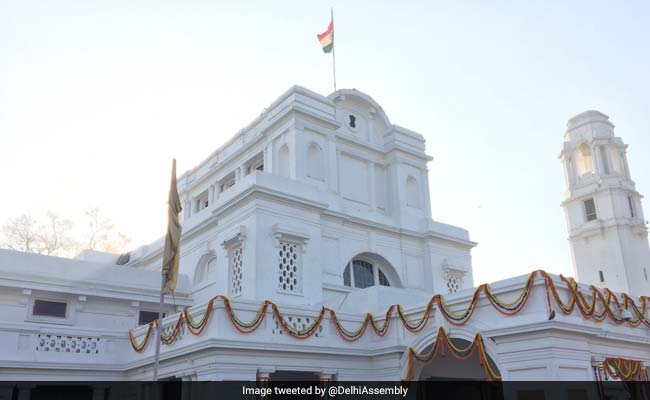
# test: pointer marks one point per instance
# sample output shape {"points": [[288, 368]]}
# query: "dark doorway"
{"points": [[294, 376], [61, 392]]}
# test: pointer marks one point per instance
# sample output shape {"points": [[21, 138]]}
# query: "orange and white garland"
{"points": [[444, 342], [600, 307], [623, 369]]}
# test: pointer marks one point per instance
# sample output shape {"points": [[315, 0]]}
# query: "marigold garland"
{"points": [[623, 369], [587, 308], [244, 327], [444, 342], [194, 328], [299, 333], [139, 347], [171, 338]]}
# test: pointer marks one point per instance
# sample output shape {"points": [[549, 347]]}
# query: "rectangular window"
{"points": [[590, 210], [146, 317], [236, 271], [256, 166], [289, 271], [601, 276], [46, 308], [631, 204], [645, 273], [228, 184], [203, 202]]}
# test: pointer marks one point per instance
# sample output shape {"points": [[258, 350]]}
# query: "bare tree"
{"points": [[21, 234], [26, 234], [55, 235], [52, 236], [102, 235]]}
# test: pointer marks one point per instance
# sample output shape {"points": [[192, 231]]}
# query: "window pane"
{"points": [[590, 210], [363, 274], [382, 278], [146, 317], [50, 308], [346, 276], [629, 203]]}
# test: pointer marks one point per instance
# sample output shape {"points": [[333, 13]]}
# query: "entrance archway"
{"points": [[457, 355], [447, 367]]}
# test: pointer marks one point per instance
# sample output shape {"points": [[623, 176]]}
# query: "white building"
{"points": [[607, 229], [323, 202]]}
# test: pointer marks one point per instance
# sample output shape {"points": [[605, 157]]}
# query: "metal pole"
{"points": [[333, 49], [159, 329]]}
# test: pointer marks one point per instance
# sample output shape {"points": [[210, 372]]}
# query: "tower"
{"points": [[607, 229]]}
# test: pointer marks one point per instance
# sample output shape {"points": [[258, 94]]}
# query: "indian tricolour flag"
{"points": [[326, 38]]}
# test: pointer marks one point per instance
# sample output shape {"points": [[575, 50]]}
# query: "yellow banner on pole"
{"points": [[173, 238]]}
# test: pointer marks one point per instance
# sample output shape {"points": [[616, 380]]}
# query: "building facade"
{"points": [[607, 228], [308, 219]]}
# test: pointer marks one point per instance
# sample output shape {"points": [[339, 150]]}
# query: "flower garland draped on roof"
{"points": [[596, 305]]}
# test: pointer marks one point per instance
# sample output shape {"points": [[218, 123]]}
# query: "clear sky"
{"points": [[97, 97]]}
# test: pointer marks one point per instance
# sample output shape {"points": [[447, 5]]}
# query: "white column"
{"points": [[211, 196], [268, 158], [217, 191], [296, 158], [604, 159], [569, 167], [427, 193], [596, 157], [237, 175], [395, 189], [332, 164], [187, 208], [371, 127], [625, 166], [371, 185]]}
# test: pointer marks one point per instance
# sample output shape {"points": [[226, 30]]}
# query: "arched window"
{"points": [[412, 192], [362, 274], [205, 271], [283, 161], [584, 159], [315, 166]]}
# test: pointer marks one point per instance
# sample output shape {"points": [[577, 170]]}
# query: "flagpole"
{"points": [[169, 270], [333, 49], [159, 328]]}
